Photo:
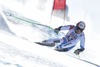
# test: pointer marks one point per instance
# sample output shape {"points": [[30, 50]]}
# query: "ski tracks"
{"points": [[11, 56]]}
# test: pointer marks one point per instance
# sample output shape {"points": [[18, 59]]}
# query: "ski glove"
{"points": [[57, 29], [77, 52]]}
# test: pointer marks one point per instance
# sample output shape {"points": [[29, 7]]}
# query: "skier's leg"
{"points": [[55, 40], [59, 46], [64, 46], [49, 42], [65, 49], [70, 47]]}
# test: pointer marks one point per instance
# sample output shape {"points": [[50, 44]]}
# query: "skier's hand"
{"points": [[77, 52], [57, 29]]}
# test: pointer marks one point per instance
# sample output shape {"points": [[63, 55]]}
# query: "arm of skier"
{"points": [[82, 46], [82, 43], [67, 27]]}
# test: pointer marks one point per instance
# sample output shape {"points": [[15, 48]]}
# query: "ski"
{"points": [[45, 44]]}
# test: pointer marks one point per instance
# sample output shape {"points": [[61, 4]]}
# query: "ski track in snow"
{"points": [[11, 52]]}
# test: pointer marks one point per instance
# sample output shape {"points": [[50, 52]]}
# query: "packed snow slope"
{"points": [[16, 39]]}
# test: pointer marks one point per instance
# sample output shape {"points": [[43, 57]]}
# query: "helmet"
{"points": [[80, 26]]}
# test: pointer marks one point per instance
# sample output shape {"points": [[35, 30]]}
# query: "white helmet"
{"points": [[80, 26]]}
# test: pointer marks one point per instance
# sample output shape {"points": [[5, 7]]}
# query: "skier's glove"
{"points": [[77, 52], [57, 29]]}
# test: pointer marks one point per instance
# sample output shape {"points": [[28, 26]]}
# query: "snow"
{"points": [[16, 41]]}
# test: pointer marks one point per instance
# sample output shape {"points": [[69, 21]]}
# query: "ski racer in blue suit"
{"points": [[73, 36]]}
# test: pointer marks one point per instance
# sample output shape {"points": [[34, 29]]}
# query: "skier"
{"points": [[73, 36]]}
